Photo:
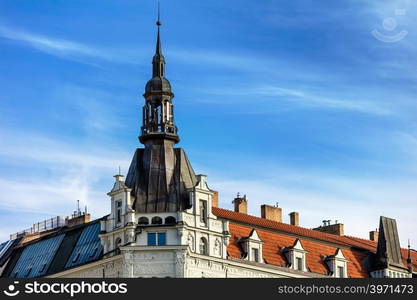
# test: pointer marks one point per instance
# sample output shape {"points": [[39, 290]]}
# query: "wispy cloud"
{"points": [[355, 201], [55, 175], [296, 98], [336, 103], [68, 49]]}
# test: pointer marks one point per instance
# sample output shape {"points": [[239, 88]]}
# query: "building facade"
{"points": [[164, 221]]}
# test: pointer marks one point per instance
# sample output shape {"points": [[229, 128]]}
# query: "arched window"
{"points": [[156, 220], [203, 246], [143, 221], [170, 220]]}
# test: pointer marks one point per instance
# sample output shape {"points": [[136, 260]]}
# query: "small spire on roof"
{"points": [[409, 253]]}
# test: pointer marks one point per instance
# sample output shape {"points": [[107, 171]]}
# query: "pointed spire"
{"points": [[158, 59], [158, 50]]}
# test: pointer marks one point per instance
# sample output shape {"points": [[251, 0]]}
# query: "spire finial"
{"points": [[158, 22], [409, 253]]}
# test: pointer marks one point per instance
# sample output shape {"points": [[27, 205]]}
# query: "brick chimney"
{"points": [[77, 220], [337, 228], [241, 204], [273, 213], [373, 235], [294, 218], [215, 199]]}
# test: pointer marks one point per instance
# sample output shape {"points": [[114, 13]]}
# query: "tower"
{"points": [[160, 175]]}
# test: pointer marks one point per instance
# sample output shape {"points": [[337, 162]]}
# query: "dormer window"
{"points": [[296, 256], [337, 264], [252, 247]]}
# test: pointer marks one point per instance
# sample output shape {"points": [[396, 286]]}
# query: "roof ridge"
{"points": [[297, 230]]}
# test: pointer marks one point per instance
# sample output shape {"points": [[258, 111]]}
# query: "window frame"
{"points": [[203, 211], [203, 245]]}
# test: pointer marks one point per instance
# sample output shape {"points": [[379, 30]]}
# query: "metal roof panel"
{"points": [[88, 247], [36, 258]]}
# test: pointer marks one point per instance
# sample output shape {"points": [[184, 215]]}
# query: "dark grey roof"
{"points": [[158, 84], [388, 250], [88, 247], [6, 250], [36, 258], [159, 177], [56, 252]]}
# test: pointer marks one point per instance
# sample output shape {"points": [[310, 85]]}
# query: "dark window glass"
{"points": [[143, 221], [255, 254], [203, 211], [151, 239], [170, 220], [156, 220], [119, 215], [162, 239]]}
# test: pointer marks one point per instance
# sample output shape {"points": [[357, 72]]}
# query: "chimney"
{"points": [[241, 204], [215, 199], [373, 235], [81, 219], [273, 213], [337, 228], [294, 218]]}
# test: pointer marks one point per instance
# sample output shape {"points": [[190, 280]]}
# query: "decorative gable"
{"points": [[252, 247], [296, 256], [337, 264]]}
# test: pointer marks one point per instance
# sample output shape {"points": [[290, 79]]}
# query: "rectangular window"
{"points": [[119, 211], [157, 238], [299, 263], [340, 272], [162, 239], [151, 239], [203, 211], [255, 254], [119, 216]]}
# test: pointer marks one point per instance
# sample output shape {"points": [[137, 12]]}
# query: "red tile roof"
{"points": [[318, 244]]}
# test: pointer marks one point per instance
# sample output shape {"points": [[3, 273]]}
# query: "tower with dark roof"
{"points": [[160, 175]]}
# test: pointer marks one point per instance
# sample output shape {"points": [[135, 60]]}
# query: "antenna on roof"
{"points": [[119, 170], [78, 207]]}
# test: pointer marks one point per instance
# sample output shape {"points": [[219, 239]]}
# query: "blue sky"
{"points": [[295, 102]]}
